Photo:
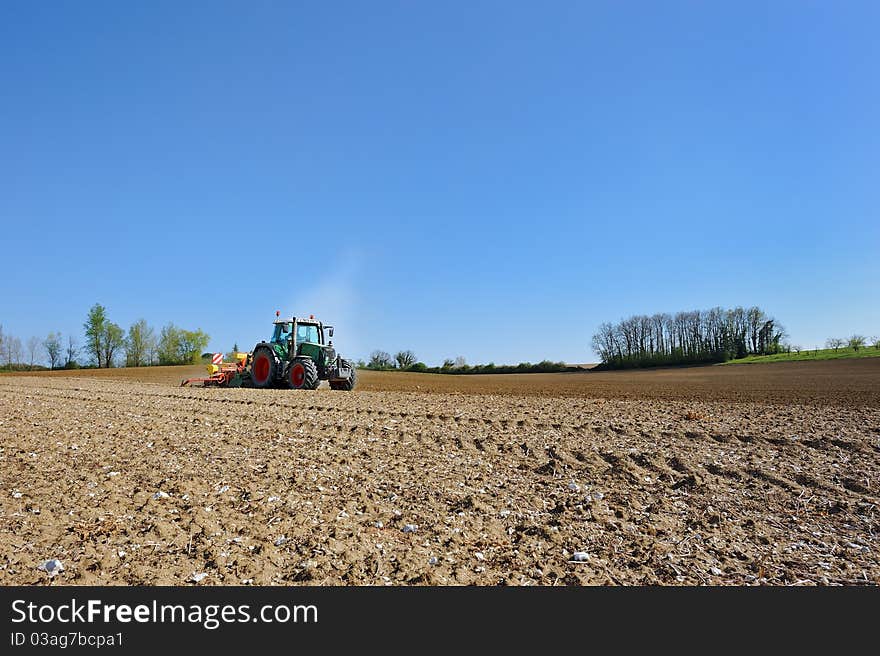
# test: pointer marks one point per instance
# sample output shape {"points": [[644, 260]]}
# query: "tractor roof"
{"points": [[314, 322]]}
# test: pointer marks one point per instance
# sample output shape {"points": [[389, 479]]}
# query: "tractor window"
{"points": [[307, 333], [282, 333]]}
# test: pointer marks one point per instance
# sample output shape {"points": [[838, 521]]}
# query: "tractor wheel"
{"points": [[302, 374], [348, 384], [264, 368]]}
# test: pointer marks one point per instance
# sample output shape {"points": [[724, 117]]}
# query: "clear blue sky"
{"points": [[486, 179]]}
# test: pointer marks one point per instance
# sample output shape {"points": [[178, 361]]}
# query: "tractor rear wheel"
{"points": [[302, 374], [264, 368], [349, 383]]}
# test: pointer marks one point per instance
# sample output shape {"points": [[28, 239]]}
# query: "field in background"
{"points": [[819, 354], [852, 381]]}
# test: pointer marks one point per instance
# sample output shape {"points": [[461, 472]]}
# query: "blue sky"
{"points": [[486, 179]]}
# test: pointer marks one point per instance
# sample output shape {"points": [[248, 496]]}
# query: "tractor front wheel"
{"points": [[302, 374], [263, 368]]}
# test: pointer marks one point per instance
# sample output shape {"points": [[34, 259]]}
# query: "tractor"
{"points": [[298, 357]]}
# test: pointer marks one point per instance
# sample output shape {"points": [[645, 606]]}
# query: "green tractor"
{"points": [[298, 357]]}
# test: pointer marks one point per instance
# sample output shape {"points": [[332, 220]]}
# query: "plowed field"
{"points": [[719, 475]]}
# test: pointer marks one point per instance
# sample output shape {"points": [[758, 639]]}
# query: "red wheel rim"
{"points": [[261, 368], [297, 375]]}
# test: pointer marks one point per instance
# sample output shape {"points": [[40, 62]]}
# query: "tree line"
{"points": [[407, 361], [17, 356], [694, 337], [106, 344], [855, 342]]}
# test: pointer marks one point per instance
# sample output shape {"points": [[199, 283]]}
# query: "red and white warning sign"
{"points": [[217, 359]]}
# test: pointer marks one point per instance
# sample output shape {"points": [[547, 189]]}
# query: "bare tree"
{"points": [[756, 320], [834, 343], [12, 350], [856, 342], [460, 362], [405, 359], [17, 351], [875, 341], [72, 351], [797, 348], [738, 328], [52, 346], [605, 342], [380, 360], [153, 351], [33, 345]]}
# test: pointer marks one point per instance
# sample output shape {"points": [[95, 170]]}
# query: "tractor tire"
{"points": [[348, 384], [302, 374], [264, 368]]}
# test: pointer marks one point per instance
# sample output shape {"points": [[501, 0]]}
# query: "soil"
{"points": [[838, 382], [748, 474]]}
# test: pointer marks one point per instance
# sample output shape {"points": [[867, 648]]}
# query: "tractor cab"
{"points": [[307, 335]]}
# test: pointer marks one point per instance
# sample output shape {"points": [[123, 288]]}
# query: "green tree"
{"points": [[192, 343], [52, 346], [169, 344], [104, 338], [138, 344], [95, 327], [112, 341], [179, 346]]}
